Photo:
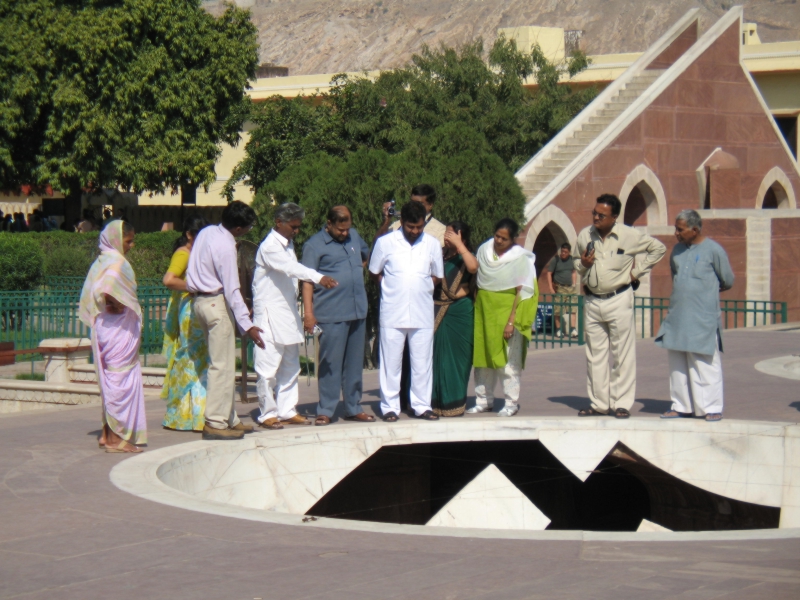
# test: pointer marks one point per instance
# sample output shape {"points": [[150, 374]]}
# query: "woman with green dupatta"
{"points": [[453, 324], [505, 308]]}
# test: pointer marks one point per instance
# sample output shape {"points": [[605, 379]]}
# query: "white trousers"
{"points": [[278, 368], [420, 349], [695, 382], [486, 378]]}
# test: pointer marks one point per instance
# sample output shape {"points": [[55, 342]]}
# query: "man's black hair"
{"points": [[425, 190], [612, 201], [567, 245], [238, 214], [339, 214], [509, 225], [412, 212]]}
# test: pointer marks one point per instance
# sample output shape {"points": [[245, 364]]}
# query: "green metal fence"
{"points": [[550, 331], [26, 318]]}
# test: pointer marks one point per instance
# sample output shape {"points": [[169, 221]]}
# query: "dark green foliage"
{"points": [[131, 93], [63, 254], [151, 253], [21, 261]]}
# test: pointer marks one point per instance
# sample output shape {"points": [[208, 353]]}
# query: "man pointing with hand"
{"points": [[275, 311]]}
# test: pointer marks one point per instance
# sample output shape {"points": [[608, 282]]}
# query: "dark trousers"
{"points": [[341, 362]]}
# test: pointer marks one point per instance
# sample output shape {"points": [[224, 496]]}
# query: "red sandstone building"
{"points": [[684, 127]]}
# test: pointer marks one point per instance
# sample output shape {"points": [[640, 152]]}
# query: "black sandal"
{"points": [[390, 417], [429, 415], [622, 413], [590, 412]]}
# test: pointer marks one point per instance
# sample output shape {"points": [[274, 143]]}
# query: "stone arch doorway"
{"points": [[775, 191], [643, 199], [548, 230]]}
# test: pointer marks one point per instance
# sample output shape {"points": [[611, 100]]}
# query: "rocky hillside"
{"points": [[329, 36]]}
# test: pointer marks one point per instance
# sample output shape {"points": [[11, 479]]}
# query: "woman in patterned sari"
{"points": [[184, 342], [453, 324], [109, 306]]}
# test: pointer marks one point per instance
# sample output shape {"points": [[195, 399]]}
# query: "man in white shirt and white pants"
{"points": [[275, 311], [407, 263]]}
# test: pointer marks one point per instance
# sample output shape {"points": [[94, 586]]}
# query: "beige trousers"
{"points": [[218, 324], [610, 326]]}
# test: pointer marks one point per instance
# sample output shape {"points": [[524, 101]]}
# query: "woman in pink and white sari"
{"points": [[109, 306]]}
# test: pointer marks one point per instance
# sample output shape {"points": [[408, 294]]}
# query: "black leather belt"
{"points": [[206, 294], [588, 292]]}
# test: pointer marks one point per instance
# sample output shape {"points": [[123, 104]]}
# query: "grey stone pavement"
{"points": [[67, 532]]}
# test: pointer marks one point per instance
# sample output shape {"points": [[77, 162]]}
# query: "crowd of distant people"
{"points": [[39, 222], [447, 311]]}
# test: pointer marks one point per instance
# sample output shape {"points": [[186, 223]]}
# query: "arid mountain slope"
{"points": [[328, 36]]}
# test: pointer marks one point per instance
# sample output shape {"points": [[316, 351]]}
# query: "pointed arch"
{"points": [[652, 191], [549, 229], [778, 184]]}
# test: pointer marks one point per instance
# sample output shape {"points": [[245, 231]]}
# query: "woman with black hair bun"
{"points": [[453, 323], [184, 341]]}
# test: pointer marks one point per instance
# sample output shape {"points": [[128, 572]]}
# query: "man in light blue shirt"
{"points": [[692, 331], [340, 312]]}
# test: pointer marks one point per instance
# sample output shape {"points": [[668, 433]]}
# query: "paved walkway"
{"points": [[67, 532]]}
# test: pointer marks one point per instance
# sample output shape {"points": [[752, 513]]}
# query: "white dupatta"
{"points": [[517, 267]]}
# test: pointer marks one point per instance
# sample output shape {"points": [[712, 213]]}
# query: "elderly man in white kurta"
{"points": [[275, 311], [692, 331], [407, 263]]}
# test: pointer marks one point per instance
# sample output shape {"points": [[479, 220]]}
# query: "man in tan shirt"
{"points": [[425, 195], [604, 258]]}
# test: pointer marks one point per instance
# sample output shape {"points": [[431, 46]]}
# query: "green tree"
{"points": [[132, 93]]}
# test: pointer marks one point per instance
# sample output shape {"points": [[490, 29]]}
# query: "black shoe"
{"points": [[429, 415], [390, 417]]}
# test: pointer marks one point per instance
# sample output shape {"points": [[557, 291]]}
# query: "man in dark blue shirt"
{"points": [[339, 252]]}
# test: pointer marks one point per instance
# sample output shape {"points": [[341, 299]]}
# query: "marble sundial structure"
{"points": [[342, 476]]}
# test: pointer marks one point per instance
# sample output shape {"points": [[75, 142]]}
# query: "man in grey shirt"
{"points": [[339, 252], [692, 331]]}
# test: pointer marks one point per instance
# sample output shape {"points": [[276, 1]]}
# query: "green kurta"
{"points": [[452, 350], [492, 310]]}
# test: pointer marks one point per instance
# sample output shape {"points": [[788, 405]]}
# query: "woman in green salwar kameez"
{"points": [[453, 324], [505, 308]]}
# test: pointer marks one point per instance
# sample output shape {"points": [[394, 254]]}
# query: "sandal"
{"points": [[390, 417], [322, 420], [674, 414], [428, 415], [272, 423], [121, 448], [622, 413], [714, 417], [361, 417], [590, 412]]}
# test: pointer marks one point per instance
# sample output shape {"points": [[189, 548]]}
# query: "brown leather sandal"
{"points": [[361, 417], [322, 420], [271, 424]]}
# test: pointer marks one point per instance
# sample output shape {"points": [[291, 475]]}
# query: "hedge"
{"points": [[21, 262], [27, 257]]}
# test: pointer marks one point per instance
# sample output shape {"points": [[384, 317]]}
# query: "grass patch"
{"points": [[29, 376]]}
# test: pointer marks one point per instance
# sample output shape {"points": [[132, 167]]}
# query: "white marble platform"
{"points": [[17, 396], [278, 476], [787, 367], [490, 501]]}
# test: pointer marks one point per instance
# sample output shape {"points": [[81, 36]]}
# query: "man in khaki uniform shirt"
{"points": [[609, 276]]}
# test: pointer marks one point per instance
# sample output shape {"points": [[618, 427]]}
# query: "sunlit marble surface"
{"points": [[490, 501], [284, 473]]}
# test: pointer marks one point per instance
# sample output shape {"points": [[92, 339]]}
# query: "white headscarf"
{"points": [[517, 267]]}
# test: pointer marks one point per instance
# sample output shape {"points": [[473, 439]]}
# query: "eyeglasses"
{"points": [[597, 215]]}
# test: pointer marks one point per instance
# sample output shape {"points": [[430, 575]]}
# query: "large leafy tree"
{"points": [[132, 93]]}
